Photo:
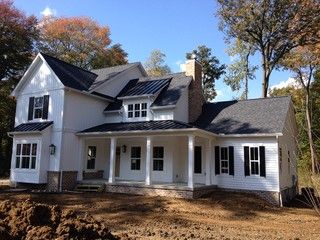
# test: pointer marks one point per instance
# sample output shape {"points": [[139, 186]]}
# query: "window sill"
{"points": [[24, 170]]}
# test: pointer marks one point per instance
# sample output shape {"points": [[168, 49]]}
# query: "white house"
{"points": [[147, 135]]}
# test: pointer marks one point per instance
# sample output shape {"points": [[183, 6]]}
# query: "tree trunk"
{"points": [[265, 77], [314, 157]]}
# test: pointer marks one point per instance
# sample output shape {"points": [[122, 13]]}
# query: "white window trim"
{"points": [[31, 141], [158, 159], [251, 174], [227, 160], [86, 158], [131, 158], [133, 111]]}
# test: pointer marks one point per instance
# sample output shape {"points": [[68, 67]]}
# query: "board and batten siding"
{"points": [[239, 180]]}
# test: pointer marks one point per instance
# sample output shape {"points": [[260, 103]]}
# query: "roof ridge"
{"points": [[57, 59], [133, 63], [252, 99]]}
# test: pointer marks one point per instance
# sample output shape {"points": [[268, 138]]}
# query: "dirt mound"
{"points": [[29, 220]]}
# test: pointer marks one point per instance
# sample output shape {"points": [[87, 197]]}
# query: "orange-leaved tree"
{"points": [[80, 41]]}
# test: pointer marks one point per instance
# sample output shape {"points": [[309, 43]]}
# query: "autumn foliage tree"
{"points": [[80, 41], [155, 65], [271, 28]]}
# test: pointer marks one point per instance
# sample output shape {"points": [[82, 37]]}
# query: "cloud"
{"points": [[48, 12], [181, 65], [290, 82]]}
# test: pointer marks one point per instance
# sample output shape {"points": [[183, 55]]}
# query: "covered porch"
{"points": [[152, 160]]}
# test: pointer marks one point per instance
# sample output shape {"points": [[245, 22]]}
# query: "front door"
{"points": [[117, 173]]}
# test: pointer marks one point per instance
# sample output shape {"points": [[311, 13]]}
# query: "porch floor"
{"points": [[155, 185]]}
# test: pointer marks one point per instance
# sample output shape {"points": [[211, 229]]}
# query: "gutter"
{"points": [[25, 132], [251, 135], [135, 96]]}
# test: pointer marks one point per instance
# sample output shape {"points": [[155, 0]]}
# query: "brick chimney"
{"points": [[196, 98]]}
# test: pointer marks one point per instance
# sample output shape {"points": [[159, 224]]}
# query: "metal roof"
{"points": [[138, 126], [146, 87], [254, 116], [32, 127]]}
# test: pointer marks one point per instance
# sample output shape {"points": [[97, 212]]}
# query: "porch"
{"points": [[178, 160]]}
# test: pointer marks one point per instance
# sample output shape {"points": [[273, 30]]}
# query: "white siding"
{"points": [[181, 111], [287, 142], [239, 180], [165, 114]]}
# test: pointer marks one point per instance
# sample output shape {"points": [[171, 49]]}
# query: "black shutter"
{"points": [[217, 159], [231, 160], [246, 161], [45, 107], [31, 105], [262, 152]]}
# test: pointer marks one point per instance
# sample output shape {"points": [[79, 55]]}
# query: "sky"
{"points": [[173, 26]]}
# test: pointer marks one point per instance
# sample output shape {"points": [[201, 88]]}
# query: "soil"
{"points": [[222, 215]]}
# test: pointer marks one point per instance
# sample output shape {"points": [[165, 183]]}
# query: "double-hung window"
{"points": [[26, 155], [137, 110], [224, 160], [254, 160], [38, 107], [91, 157], [158, 155], [135, 158]]}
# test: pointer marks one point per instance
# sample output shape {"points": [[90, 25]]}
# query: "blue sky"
{"points": [[173, 26]]}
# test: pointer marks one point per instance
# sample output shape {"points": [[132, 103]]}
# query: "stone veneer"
{"points": [[93, 175], [195, 98], [69, 180]]}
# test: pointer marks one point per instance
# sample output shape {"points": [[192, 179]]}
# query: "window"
{"points": [[224, 158], [26, 155], [197, 159], [91, 157], [38, 107], [135, 158], [254, 160], [158, 155], [137, 110]]}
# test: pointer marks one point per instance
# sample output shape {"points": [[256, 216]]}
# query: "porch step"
{"points": [[90, 187]]}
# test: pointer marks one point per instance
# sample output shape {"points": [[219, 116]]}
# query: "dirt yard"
{"points": [[219, 216]]}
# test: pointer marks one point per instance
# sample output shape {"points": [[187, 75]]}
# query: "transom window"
{"points": [[135, 158], [26, 155], [137, 110], [224, 159], [254, 160], [38, 107], [158, 155], [91, 157]]}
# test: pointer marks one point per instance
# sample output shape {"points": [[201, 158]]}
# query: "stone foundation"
{"points": [[164, 191], [93, 175], [69, 180]]}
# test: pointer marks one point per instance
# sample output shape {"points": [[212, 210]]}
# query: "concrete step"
{"points": [[90, 187]]}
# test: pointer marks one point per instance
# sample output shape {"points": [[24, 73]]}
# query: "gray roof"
{"points": [[255, 116], [105, 74], [32, 127], [138, 126], [146, 87]]}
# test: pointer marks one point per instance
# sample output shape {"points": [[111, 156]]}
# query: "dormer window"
{"points": [[137, 110], [38, 107]]}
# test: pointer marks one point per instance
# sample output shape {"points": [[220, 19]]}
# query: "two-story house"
{"points": [[145, 135]]}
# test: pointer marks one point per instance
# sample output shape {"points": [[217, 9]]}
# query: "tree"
{"points": [[211, 70], [271, 27], [155, 64], [240, 71], [303, 61], [18, 33], [79, 41]]}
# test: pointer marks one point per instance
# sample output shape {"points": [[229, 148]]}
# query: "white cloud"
{"points": [[48, 12], [290, 82], [181, 65]]}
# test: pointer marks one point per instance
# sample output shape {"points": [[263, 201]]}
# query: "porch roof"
{"points": [[139, 126], [31, 127]]}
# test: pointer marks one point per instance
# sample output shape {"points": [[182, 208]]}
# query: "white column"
{"points": [[208, 161], [190, 160], [113, 146], [148, 160]]}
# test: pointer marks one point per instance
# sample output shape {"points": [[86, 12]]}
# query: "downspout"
{"points": [[280, 196], [60, 182]]}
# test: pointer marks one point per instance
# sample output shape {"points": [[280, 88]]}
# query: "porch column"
{"points": [[190, 160], [148, 160], [113, 146], [208, 161]]}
